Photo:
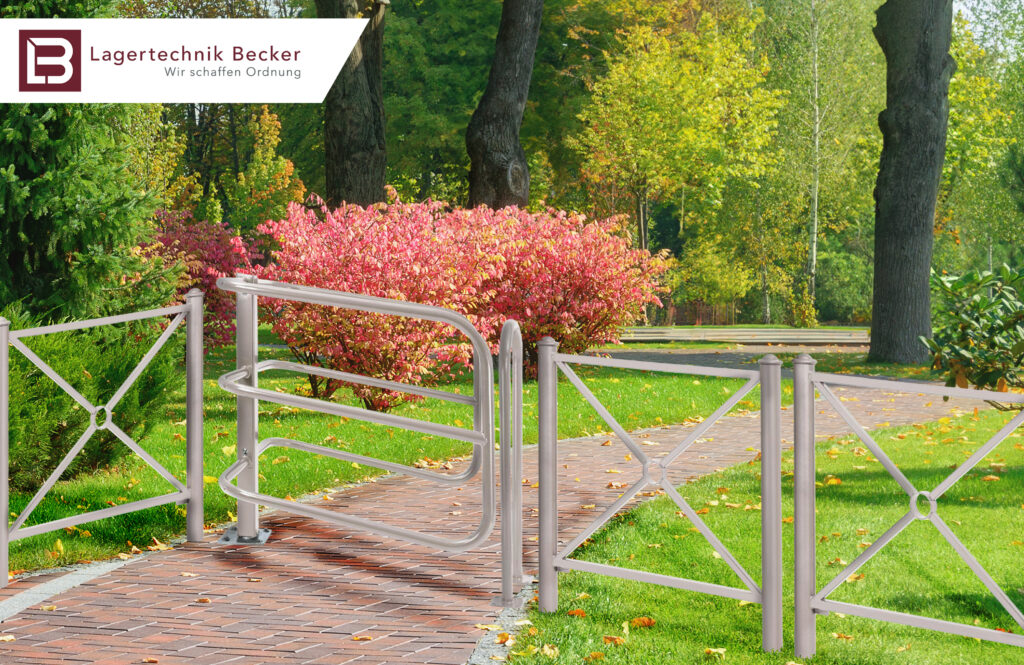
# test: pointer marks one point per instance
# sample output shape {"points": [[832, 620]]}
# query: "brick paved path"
{"points": [[305, 595]]}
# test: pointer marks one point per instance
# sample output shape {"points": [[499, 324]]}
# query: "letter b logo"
{"points": [[50, 61]]}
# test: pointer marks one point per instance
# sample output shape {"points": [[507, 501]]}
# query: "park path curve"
{"points": [[303, 597]]}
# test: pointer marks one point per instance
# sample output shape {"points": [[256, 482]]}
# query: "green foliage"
{"points": [[263, 190], [979, 328], [45, 423], [844, 287]]}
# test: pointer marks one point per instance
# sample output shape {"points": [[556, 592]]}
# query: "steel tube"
{"points": [[771, 503], [803, 507], [194, 415], [547, 397], [510, 405], [248, 412], [5, 441]]}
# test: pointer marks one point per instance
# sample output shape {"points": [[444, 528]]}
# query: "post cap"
{"points": [[770, 359], [194, 293], [547, 341], [804, 359]]}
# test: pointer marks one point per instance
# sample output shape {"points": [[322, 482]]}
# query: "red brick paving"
{"points": [[319, 586]]}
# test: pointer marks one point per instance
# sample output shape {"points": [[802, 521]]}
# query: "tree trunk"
{"points": [[354, 111], [498, 174], [915, 38]]}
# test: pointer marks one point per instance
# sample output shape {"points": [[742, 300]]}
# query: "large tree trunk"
{"points": [[498, 174], [915, 38], [354, 110]]}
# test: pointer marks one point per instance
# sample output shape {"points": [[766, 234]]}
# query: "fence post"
{"points": [[194, 415], [248, 413], [547, 473], [5, 349], [771, 503], [804, 582], [510, 442]]}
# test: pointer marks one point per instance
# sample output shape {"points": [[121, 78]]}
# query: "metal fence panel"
{"points": [[101, 417], [655, 472]]}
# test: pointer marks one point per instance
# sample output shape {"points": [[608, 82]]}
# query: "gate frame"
{"points": [[808, 600], [551, 561], [189, 493], [243, 383]]}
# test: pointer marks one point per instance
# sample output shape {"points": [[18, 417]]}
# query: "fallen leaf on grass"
{"points": [[583, 596], [856, 577], [594, 655], [528, 651], [843, 636], [549, 650], [714, 654], [787, 520], [905, 647], [989, 479], [614, 639], [577, 613], [642, 622]]}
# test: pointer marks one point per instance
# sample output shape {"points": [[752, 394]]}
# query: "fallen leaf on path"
{"points": [[361, 638]]}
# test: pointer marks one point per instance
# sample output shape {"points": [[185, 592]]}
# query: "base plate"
{"points": [[230, 537]]}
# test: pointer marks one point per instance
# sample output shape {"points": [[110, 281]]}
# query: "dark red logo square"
{"points": [[50, 60]]}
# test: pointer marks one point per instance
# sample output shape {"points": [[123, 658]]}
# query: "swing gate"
{"points": [[102, 417], [243, 382], [655, 472], [809, 601]]}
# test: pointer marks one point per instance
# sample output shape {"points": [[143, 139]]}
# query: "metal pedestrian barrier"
{"points": [[102, 417], [809, 601], [552, 559], [243, 382]]}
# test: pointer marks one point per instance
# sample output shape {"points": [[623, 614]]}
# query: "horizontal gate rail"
{"points": [[101, 417], [809, 601], [240, 480], [553, 559]]}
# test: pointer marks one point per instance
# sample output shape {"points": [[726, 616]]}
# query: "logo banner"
{"points": [[173, 60]]}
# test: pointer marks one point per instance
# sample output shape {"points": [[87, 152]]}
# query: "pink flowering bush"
{"points": [[210, 250], [555, 273], [577, 281], [399, 251]]}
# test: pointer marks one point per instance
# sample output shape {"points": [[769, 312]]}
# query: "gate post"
{"points": [[510, 440], [804, 582], [5, 350], [771, 503], [547, 473], [194, 415], [247, 342]]}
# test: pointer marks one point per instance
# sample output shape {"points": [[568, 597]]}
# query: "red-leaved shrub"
{"points": [[555, 273], [211, 250]]}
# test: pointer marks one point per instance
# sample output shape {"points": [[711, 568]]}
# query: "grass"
{"points": [[756, 326], [628, 345], [642, 400], [916, 573]]}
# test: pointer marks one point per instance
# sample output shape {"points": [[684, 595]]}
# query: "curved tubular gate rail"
{"points": [[189, 493], [553, 557], [809, 601], [243, 382]]}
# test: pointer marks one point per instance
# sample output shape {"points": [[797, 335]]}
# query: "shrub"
{"points": [[554, 272], [979, 331], [563, 276], [45, 423], [210, 250], [400, 251]]}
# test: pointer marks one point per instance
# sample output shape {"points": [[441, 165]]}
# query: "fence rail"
{"points": [[243, 383], [809, 601], [101, 417], [553, 558]]}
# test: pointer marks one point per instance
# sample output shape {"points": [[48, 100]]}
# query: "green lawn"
{"points": [[628, 345], [754, 326], [917, 572], [641, 400]]}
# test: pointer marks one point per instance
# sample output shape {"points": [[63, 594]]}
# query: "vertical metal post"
{"points": [[804, 583], [771, 503], [5, 333], [246, 348], [547, 398], [510, 406], [194, 415]]}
